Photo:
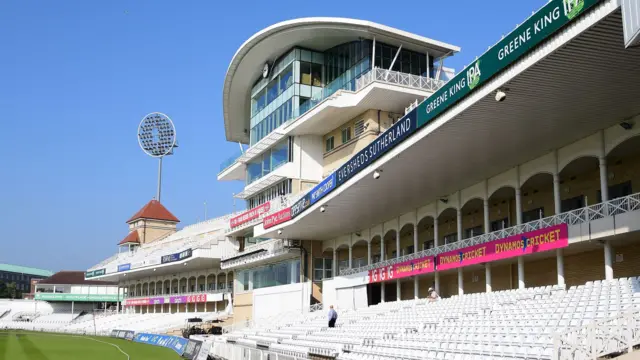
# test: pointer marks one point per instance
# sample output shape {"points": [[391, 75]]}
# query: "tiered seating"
{"points": [[516, 324], [201, 235]]}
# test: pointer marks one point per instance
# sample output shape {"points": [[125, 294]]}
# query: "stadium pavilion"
{"points": [[374, 173]]}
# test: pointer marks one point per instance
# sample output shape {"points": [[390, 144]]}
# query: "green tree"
{"points": [[9, 291]]}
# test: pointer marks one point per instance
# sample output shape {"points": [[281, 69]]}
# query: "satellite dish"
{"points": [[157, 138]]}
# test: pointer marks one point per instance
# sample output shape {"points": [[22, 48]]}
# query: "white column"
{"points": [[608, 261], [437, 282], [560, 266], [556, 194], [487, 276], [416, 287], [521, 272], [459, 216], [350, 256], [518, 206], [398, 251], [487, 222], [382, 247], [459, 223], [369, 252], [335, 262], [415, 237], [604, 187], [436, 242], [460, 282], [398, 290], [382, 291]]}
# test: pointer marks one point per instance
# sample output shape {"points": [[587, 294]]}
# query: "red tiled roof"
{"points": [[72, 278], [131, 238], [154, 210]]}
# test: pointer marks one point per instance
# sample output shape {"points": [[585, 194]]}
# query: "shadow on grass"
{"points": [[30, 349]]}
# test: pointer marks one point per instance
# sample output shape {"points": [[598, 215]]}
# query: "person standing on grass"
{"points": [[333, 316]]}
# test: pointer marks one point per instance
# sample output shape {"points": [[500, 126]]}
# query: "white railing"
{"points": [[579, 216], [599, 338], [273, 248], [398, 78]]}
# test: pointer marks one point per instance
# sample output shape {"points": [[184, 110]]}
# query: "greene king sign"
{"points": [[540, 26]]}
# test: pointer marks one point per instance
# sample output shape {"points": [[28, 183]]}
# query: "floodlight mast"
{"points": [[157, 138]]}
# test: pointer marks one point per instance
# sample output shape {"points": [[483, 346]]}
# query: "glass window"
{"points": [[358, 128], [346, 134], [474, 231], [254, 171], [429, 244], [305, 73], [329, 144], [318, 269], [272, 91], [328, 268], [409, 250], [499, 224], [451, 238], [316, 75], [573, 203], [286, 79], [532, 215], [279, 154]]}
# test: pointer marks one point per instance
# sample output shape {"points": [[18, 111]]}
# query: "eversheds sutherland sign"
{"points": [[539, 27]]}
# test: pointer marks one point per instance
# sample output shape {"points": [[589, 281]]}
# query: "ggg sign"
{"points": [[404, 269], [550, 238]]}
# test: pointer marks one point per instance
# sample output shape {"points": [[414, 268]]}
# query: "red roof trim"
{"points": [[132, 238], [154, 210]]}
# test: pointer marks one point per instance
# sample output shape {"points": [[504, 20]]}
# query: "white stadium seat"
{"points": [[512, 324]]}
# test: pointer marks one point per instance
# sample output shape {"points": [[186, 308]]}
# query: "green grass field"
{"points": [[18, 345]]}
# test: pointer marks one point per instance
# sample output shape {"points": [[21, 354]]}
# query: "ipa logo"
{"points": [[572, 8], [473, 75]]}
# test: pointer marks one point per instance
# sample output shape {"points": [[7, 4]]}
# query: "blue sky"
{"points": [[76, 77]]}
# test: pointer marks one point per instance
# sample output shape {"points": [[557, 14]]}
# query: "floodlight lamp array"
{"points": [[157, 135]]}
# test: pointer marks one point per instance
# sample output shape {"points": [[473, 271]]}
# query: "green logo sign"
{"points": [[572, 8], [473, 75], [77, 297], [94, 273], [536, 29]]}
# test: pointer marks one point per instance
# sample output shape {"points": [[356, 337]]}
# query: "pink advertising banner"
{"points": [[550, 238], [401, 270]]}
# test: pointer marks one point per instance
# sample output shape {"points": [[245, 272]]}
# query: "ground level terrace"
{"points": [[589, 184]]}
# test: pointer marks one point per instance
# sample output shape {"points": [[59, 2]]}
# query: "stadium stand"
{"points": [[21, 315], [515, 324]]}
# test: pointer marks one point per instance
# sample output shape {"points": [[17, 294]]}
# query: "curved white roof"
{"points": [[319, 34]]}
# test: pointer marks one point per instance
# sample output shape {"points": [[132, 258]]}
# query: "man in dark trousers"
{"points": [[333, 316]]}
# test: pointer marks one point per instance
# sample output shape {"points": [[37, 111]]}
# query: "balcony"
{"points": [[258, 253], [210, 291], [425, 86], [589, 214]]}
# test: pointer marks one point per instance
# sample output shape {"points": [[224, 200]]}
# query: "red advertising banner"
{"points": [[252, 214], [277, 218], [137, 302], [404, 269], [550, 238], [199, 298]]}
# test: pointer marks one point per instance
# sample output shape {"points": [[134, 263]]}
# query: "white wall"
{"points": [[330, 289], [277, 300], [309, 161]]}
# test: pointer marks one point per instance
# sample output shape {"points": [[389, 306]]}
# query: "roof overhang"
{"points": [[313, 33], [576, 83]]}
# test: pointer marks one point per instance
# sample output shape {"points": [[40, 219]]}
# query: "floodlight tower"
{"points": [[157, 138]]}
